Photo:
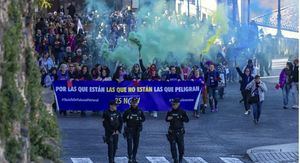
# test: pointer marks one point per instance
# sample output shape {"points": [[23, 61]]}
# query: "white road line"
{"points": [[121, 159], [268, 77], [230, 160], [194, 160], [279, 63], [280, 60], [81, 160], [157, 159]]}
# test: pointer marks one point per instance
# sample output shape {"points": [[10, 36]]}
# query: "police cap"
{"points": [[112, 102], [175, 100], [134, 100]]}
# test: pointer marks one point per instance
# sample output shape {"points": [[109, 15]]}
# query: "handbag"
{"points": [[253, 98]]}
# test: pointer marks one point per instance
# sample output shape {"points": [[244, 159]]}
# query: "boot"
{"points": [[180, 161], [176, 160], [180, 158], [82, 113], [111, 160], [203, 107], [130, 160], [195, 113], [134, 160]]}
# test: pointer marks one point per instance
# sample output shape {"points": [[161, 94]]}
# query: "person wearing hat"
{"points": [[176, 117], [112, 123], [133, 119]]}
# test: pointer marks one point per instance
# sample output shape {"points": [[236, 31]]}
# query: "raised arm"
{"points": [[204, 69], [239, 71], [141, 62]]}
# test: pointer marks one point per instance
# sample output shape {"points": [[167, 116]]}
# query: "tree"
{"points": [[28, 132]]}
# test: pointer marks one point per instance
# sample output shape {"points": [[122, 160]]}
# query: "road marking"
{"points": [[157, 159], [121, 159], [230, 160], [81, 160], [268, 77], [194, 160], [280, 60], [279, 63]]}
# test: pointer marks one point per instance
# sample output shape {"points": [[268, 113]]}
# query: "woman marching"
{"points": [[246, 79], [257, 96]]}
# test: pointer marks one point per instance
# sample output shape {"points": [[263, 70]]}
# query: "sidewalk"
{"points": [[283, 153]]}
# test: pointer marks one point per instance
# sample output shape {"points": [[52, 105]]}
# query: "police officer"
{"points": [[176, 131], [133, 117], [112, 123]]}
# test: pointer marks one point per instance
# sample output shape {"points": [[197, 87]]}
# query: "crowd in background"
{"points": [[66, 52]]}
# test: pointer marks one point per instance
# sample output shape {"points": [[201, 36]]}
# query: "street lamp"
{"points": [[234, 11], [279, 34], [188, 5], [198, 8], [248, 12]]}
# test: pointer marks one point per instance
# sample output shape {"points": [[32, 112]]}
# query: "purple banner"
{"points": [[153, 95]]}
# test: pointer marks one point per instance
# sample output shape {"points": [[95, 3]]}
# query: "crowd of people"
{"points": [[289, 84], [66, 52]]}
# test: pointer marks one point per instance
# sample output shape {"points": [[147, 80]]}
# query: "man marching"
{"points": [[133, 117], [112, 122], [176, 131]]}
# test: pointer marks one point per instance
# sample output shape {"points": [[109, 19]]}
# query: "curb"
{"points": [[282, 153]]}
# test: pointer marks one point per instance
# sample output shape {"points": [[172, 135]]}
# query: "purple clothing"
{"points": [[62, 76], [283, 78]]}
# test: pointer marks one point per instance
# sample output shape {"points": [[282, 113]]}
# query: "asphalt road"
{"points": [[228, 133]]}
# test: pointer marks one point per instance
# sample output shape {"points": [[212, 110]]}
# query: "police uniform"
{"points": [[176, 118], [112, 122], [133, 117]]}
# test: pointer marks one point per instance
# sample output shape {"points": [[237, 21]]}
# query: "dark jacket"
{"points": [[145, 75], [135, 76], [245, 79], [173, 77], [85, 76], [72, 10], [143, 68], [212, 78], [178, 117], [73, 75], [112, 121], [134, 118], [295, 74]]}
